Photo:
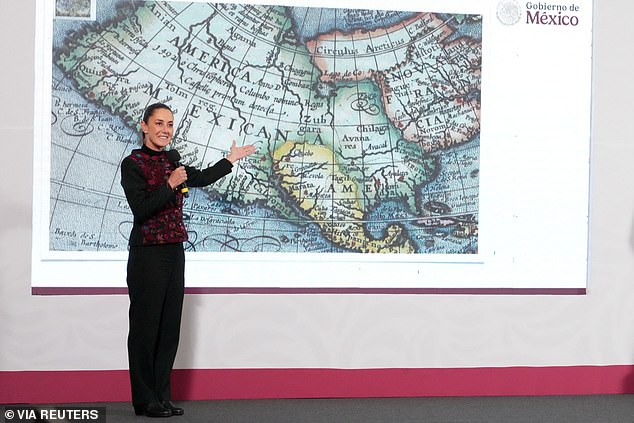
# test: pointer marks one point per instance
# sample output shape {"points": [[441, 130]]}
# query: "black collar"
{"points": [[149, 151]]}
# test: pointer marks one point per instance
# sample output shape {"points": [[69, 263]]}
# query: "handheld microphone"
{"points": [[175, 157]]}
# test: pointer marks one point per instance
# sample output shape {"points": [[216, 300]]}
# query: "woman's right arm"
{"points": [[143, 204]]}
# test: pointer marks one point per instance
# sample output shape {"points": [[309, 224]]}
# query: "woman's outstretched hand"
{"points": [[236, 153]]}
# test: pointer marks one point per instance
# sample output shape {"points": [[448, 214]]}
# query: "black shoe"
{"points": [[153, 409], [176, 411]]}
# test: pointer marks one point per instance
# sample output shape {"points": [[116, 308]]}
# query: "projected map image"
{"points": [[366, 123]]}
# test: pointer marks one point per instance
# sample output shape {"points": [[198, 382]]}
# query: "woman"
{"points": [[156, 261]]}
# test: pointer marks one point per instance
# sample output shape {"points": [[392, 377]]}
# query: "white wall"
{"points": [[89, 332]]}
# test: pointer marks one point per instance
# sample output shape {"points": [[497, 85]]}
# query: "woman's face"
{"points": [[159, 129]]}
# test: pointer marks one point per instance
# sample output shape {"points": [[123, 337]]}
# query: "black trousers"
{"points": [[156, 280]]}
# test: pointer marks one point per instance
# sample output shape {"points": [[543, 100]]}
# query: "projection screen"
{"points": [[425, 146]]}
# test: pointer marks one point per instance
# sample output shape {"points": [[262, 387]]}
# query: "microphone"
{"points": [[175, 157]]}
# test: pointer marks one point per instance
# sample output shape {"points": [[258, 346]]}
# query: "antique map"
{"points": [[366, 122]]}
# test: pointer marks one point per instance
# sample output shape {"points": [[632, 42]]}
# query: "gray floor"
{"points": [[560, 409]]}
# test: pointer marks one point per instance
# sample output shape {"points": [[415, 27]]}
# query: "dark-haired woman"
{"points": [[156, 260]]}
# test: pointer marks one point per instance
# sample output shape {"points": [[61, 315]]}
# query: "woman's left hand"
{"points": [[236, 153]]}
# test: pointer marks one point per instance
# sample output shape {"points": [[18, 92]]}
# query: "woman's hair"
{"points": [[149, 111]]}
